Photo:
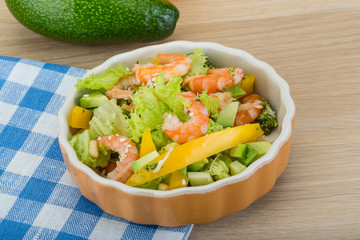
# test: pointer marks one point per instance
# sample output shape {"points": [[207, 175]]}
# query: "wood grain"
{"points": [[315, 46]]}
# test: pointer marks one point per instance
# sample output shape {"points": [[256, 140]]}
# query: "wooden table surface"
{"points": [[315, 46]]}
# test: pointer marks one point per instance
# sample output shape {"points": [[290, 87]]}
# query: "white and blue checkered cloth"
{"points": [[38, 198]]}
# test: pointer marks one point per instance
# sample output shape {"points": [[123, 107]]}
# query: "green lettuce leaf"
{"points": [[168, 94], [103, 80], [197, 166], [214, 127], [80, 142], [211, 104], [150, 106], [160, 139], [218, 169], [108, 118], [153, 184], [236, 91], [199, 64]]}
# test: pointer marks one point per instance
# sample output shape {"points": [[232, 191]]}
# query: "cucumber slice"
{"points": [[141, 162], [199, 178], [238, 151], [236, 168]]}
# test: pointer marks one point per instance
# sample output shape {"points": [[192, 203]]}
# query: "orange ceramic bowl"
{"points": [[190, 205]]}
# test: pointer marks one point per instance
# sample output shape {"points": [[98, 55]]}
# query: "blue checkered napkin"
{"points": [[38, 198]]}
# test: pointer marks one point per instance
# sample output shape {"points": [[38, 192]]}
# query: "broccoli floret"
{"points": [[267, 118]]}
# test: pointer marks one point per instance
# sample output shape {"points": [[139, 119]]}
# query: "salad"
{"points": [[175, 122]]}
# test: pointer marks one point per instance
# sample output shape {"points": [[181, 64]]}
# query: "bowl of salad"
{"points": [[177, 133]]}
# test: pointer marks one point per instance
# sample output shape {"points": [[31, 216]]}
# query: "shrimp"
{"points": [[215, 80], [249, 109], [173, 65], [196, 126], [224, 97], [129, 107], [120, 89], [128, 153]]}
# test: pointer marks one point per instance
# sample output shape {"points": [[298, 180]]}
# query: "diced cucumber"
{"points": [[238, 151], [261, 147], [254, 150], [226, 160], [236, 168], [199, 178], [141, 162], [250, 157]]}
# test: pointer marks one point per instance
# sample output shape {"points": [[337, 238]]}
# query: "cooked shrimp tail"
{"points": [[128, 153], [215, 80], [172, 65], [249, 109], [120, 89], [195, 127]]}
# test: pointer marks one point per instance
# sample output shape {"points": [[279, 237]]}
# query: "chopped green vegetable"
{"points": [[227, 115], [199, 178], [150, 106], [211, 104], [238, 151], [218, 169], [250, 157], [153, 184], [236, 168], [197, 166], [160, 139], [108, 118], [236, 91], [141, 162], [199, 65], [80, 142], [267, 118], [103, 80], [214, 127]]}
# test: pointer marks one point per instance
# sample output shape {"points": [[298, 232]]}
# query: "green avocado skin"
{"points": [[97, 21]]}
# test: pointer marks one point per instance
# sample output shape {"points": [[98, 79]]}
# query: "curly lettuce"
{"points": [[103, 80], [108, 118], [80, 142], [211, 104], [200, 63], [218, 169], [151, 103]]}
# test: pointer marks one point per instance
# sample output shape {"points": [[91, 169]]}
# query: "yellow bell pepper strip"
{"points": [[156, 61], [247, 83], [178, 180], [195, 150], [80, 117], [147, 144]]}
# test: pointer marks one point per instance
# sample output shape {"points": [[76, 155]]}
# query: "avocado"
{"points": [[92, 100], [238, 151], [199, 178], [236, 168], [97, 21], [227, 115], [141, 162]]}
